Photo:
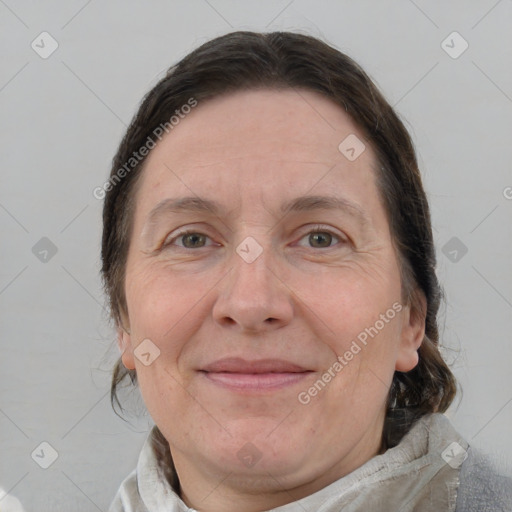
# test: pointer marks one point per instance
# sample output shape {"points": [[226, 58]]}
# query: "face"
{"points": [[264, 311]]}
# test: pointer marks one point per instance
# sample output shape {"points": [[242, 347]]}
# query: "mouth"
{"points": [[261, 375]]}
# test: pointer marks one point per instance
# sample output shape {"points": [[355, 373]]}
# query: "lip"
{"points": [[239, 365], [259, 375]]}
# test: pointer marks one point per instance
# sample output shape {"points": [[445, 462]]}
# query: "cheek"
{"points": [[360, 373], [165, 398], [359, 320], [161, 300], [347, 302]]}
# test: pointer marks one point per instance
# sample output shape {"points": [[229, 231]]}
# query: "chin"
{"points": [[260, 455]]}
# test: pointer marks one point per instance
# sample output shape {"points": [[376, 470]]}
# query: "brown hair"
{"points": [[249, 60]]}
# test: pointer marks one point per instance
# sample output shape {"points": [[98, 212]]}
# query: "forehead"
{"points": [[259, 123], [267, 142]]}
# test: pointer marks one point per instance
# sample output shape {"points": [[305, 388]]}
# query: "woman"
{"points": [[268, 255]]}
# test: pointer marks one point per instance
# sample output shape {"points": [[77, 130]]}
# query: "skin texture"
{"points": [[304, 299]]}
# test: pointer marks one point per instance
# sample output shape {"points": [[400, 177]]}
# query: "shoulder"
{"points": [[481, 487], [127, 498], [149, 486]]}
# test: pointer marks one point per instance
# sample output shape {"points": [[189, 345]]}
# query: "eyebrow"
{"points": [[298, 204]]}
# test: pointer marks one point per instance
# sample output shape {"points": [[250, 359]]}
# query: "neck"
{"points": [[206, 487]]}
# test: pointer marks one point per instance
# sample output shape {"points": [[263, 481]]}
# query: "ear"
{"points": [[124, 342], [413, 332]]}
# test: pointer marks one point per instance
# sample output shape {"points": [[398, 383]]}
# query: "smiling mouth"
{"points": [[262, 375]]}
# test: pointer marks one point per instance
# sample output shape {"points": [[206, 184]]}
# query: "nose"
{"points": [[253, 297]]}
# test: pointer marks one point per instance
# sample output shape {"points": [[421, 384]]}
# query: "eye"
{"points": [[318, 238], [189, 240], [321, 238]]}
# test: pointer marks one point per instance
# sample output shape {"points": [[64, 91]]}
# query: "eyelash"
{"points": [[317, 229]]}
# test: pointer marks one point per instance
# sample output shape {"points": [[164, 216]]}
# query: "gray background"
{"points": [[61, 120]]}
